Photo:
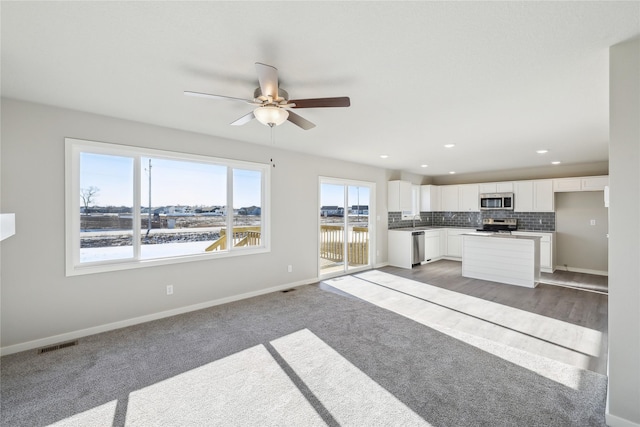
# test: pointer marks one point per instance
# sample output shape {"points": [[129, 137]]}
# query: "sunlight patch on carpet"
{"points": [[352, 397], [246, 388], [557, 350]]}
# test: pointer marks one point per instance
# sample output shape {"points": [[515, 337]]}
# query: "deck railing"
{"points": [[240, 236], [332, 244]]}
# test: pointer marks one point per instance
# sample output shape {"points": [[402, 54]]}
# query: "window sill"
{"points": [[109, 266]]}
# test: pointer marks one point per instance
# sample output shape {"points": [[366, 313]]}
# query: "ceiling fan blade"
{"points": [[208, 95], [268, 78], [244, 119], [300, 121], [342, 101]]}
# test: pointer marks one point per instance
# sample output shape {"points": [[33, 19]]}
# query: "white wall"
{"points": [[39, 302], [624, 232]]}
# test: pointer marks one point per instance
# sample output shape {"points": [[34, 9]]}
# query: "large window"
{"points": [[129, 207]]}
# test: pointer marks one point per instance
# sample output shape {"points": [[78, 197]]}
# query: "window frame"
{"points": [[74, 147], [415, 204]]}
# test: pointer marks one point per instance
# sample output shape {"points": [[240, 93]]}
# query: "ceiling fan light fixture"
{"points": [[270, 115]]}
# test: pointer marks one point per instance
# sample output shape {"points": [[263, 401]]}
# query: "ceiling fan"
{"points": [[273, 104]]}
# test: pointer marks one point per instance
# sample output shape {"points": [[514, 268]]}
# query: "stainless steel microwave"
{"points": [[496, 201]]}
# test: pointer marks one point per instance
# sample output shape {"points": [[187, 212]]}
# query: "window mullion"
{"points": [[229, 208], [135, 217]]}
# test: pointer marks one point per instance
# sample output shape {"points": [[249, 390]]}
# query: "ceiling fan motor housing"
{"points": [[281, 94]]}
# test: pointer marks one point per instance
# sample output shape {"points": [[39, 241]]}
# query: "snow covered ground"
{"points": [[148, 251]]}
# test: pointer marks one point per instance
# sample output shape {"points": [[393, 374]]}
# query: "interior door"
{"points": [[345, 232]]}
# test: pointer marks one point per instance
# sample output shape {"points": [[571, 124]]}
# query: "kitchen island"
{"points": [[502, 258]]}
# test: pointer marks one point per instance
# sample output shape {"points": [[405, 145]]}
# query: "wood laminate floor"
{"points": [[577, 280], [583, 308]]}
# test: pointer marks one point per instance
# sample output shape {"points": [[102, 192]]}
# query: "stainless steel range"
{"points": [[502, 225]]}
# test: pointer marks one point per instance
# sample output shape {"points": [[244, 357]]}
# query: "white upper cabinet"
{"points": [[594, 183], [534, 196], [523, 195], [587, 183], [429, 198], [543, 195], [468, 197], [495, 187], [399, 196], [566, 184], [449, 198]]}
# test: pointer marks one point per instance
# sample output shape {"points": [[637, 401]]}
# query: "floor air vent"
{"points": [[57, 347]]}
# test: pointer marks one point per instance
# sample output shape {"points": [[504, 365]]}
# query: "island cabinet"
{"points": [[547, 249], [514, 260]]}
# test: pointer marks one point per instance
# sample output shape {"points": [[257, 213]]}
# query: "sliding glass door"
{"points": [[345, 226]]}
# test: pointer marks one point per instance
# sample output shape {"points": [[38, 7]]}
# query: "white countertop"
{"points": [[499, 235]]}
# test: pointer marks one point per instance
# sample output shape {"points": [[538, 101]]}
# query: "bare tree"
{"points": [[88, 196]]}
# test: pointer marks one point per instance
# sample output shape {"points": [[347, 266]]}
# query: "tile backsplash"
{"points": [[532, 221]]}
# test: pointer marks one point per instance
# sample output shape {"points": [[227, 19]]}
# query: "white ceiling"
{"points": [[498, 79]]}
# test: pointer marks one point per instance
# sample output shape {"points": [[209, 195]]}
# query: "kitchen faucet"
{"points": [[414, 220]]}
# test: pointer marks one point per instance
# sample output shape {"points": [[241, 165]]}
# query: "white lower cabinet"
{"points": [[454, 242], [399, 246], [443, 241], [547, 249], [432, 245], [447, 243]]}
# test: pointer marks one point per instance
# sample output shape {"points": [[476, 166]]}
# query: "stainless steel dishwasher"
{"points": [[417, 243]]}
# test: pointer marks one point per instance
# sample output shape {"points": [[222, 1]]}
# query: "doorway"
{"points": [[345, 229]]}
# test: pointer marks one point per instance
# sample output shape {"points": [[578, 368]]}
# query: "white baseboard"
{"points": [[70, 336], [613, 421], [582, 270], [381, 264]]}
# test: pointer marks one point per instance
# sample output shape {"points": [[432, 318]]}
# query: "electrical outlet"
{"points": [[290, 268], [593, 222], [169, 289]]}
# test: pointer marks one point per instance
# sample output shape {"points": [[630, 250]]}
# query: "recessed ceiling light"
{"points": [[556, 162], [449, 145], [383, 156], [452, 172], [542, 151], [424, 166]]}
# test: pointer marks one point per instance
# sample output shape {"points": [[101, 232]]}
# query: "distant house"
{"points": [[179, 210], [251, 210], [359, 210], [331, 211]]}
